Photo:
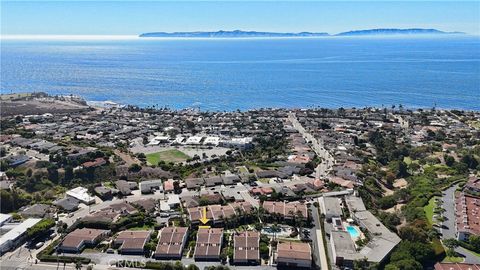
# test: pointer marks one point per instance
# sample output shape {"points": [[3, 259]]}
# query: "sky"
{"points": [[88, 17]]}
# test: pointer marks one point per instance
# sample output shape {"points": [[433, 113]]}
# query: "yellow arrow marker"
{"points": [[204, 218]]}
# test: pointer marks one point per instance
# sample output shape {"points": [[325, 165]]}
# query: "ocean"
{"points": [[231, 74]]}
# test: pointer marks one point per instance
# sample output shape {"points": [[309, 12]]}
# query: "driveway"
{"points": [[318, 247], [448, 226]]}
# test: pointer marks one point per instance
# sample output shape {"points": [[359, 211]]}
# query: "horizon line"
{"points": [[132, 37]]}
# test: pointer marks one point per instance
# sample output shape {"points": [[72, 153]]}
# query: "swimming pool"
{"points": [[353, 231]]}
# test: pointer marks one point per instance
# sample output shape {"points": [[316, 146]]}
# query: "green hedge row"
{"points": [[46, 255], [63, 259]]}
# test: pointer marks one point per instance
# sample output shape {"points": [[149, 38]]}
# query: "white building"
{"points": [[215, 141], [237, 143], [4, 218], [150, 186], [173, 200], [194, 140], [17, 234], [179, 140], [81, 194]]}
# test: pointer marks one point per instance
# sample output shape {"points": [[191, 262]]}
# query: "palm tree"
{"points": [[300, 220], [275, 228]]}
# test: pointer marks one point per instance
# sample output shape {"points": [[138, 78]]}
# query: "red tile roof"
{"points": [[132, 239], [78, 237], [292, 250], [171, 241], [246, 246], [467, 214], [456, 266], [218, 212], [209, 243], [97, 162], [285, 209]]}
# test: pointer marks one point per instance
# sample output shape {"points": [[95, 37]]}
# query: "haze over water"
{"points": [[229, 74]]}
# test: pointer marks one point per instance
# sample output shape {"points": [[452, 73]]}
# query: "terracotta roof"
{"points": [[76, 238], [170, 242], [292, 250], [246, 246], [168, 185], [456, 266], [209, 243], [97, 162], [133, 239], [219, 212], [286, 209], [467, 214]]}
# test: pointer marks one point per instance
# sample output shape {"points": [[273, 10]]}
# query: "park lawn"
{"points": [[453, 259], [141, 228], [475, 124], [407, 160], [264, 180], [173, 155], [429, 210]]}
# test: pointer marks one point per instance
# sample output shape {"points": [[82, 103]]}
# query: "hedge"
{"points": [[63, 259], [46, 255]]}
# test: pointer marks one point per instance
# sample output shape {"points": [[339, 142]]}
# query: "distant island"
{"points": [[395, 31], [246, 34], [231, 34]]}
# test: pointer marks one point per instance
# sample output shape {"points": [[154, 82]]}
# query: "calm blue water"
{"points": [[352, 231], [244, 74]]}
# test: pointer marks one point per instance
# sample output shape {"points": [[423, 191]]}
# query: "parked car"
{"points": [[39, 244]]}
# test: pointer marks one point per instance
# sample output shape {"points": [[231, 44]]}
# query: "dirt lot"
{"points": [[31, 107]]}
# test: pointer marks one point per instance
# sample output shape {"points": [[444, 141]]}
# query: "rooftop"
{"points": [[133, 239], [456, 266], [293, 250], [246, 246], [18, 230], [171, 241], [209, 243], [286, 209], [467, 216], [76, 238]]}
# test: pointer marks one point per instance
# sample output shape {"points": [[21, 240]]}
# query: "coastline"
{"points": [[102, 104]]}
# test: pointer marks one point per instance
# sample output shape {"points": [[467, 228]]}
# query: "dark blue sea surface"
{"points": [[230, 74]]}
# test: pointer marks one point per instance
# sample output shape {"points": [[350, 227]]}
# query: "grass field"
{"points": [[167, 156], [141, 228], [429, 210], [453, 259], [12, 96]]}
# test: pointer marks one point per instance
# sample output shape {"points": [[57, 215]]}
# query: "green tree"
{"points": [[134, 168], [192, 267], [451, 244], [474, 240], [470, 161], [449, 160], [406, 264], [52, 171]]}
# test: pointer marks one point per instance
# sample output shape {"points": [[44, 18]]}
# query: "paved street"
{"points": [[317, 236], [448, 228], [102, 260], [328, 161]]}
